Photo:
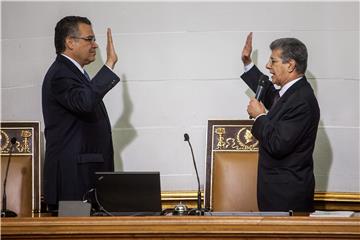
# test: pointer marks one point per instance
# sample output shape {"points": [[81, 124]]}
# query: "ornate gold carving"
{"points": [[5, 140], [238, 138], [24, 145], [26, 134], [230, 143], [246, 140], [220, 132]]}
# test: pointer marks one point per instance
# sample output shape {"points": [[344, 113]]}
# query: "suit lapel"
{"points": [[72, 67], [282, 100]]}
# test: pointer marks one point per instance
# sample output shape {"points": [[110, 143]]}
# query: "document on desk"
{"points": [[332, 214]]}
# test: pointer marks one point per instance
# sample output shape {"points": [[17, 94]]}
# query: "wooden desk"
{"points": [[180, 227]]}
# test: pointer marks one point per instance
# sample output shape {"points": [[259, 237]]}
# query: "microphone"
{"points": [[199, 210], [5, 212], [261, 88]]}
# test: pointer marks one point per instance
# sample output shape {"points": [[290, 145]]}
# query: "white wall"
{"points": [[180, 66]]}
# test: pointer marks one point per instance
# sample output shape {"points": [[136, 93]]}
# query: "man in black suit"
{"points": [[77, 127], [286, 132]]}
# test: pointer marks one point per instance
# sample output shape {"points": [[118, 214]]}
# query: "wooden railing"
{"points": [[180, 227]]}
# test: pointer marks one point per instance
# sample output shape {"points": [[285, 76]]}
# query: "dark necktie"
{"points": [[87, 76], [276, 98]]}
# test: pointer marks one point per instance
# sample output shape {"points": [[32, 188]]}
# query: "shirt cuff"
{"points": [[263, 114], [248, 67], [109, 67]]}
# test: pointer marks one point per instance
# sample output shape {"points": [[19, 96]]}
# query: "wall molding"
{"points": [[341, 201]]}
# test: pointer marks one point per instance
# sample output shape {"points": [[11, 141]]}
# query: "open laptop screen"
{"points": [[128, 193]]}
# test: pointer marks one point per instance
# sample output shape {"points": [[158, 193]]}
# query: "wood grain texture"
{"points": [[181, 227]]}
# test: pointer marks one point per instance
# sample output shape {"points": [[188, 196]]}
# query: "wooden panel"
{"points": [[181, 227], [23, 184], [231, 142], [234, 182], [19, 187]]}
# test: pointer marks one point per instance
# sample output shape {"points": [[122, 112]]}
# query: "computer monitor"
{"points": [[128, 193]]}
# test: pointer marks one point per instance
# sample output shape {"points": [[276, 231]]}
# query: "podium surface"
{"points": [[181, 227]]}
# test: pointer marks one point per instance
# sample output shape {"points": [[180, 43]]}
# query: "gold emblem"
{"points": [[246, 140], [235, 138]]}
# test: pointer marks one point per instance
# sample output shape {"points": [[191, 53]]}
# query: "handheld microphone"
{"points": [[5, 212], [199, 210], [261, 88]]}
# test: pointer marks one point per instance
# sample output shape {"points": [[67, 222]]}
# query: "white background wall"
{"points": [[180, 65]]}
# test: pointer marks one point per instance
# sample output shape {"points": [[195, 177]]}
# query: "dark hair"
{"points": [[68, 26], [292, 48]]}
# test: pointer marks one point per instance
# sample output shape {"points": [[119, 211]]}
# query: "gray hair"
{"points": [[292, 48]]}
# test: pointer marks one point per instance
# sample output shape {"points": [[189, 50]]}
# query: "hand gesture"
{"points": [[110, 51], [246, 52]]}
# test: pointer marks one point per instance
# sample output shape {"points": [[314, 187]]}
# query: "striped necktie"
{"points": [[276, 99], [87, 76]]}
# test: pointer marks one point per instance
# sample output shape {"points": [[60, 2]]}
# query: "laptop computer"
{"points": [[128, 193]]}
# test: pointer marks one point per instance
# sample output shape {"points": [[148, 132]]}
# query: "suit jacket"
{"points": [[77, 129], [287, 137]]}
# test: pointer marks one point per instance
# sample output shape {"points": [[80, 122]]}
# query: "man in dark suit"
{"points": [[286, 132], [77, 127]]}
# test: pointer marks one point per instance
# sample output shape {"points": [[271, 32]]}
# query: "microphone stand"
{"points": [[6, 212], [199, 211]]}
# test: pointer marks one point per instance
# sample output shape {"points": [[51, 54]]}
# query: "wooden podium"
{"points": [[180, 227]]}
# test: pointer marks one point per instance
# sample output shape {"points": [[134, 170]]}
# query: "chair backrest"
{"points": [[231, 166], [23, 180]]}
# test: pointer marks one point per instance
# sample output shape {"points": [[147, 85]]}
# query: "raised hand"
{"points": [[246, 52], [110, 51]]}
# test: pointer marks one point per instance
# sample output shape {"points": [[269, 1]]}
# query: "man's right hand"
{"points": [[246, 53], [255, 108], [110, 51]]}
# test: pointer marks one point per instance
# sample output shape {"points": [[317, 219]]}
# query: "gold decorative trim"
{"points": [[323, 200], [234, 138], [319, 196], [337, 197], [23, 144], [188, 195], [171, 199]]}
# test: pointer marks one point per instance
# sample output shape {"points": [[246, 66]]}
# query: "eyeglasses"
{"points": [[273, 60], [91, 39]]}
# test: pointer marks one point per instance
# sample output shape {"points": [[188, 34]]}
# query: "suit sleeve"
{"points": [[79, 96], [281, 137], [251, 77]]}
